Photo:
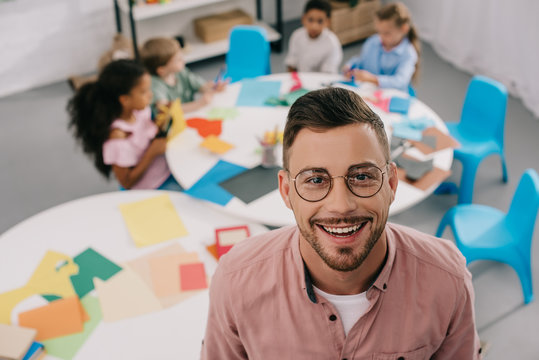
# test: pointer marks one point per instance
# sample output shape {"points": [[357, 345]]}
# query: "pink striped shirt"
{"points": [[262, 304]]}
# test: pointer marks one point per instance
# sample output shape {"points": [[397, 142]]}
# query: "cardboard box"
{"points": [[353, 24], [216, 27]]}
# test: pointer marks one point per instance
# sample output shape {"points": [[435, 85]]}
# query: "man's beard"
{"points": [[346, 259]]}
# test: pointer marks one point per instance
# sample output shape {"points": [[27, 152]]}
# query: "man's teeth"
{"points": [[342, 230]]}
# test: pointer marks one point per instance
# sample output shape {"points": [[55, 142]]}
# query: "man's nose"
{"points": [[340, 199]]}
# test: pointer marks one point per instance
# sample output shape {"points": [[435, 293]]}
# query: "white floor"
{"points": [[42, 167]]}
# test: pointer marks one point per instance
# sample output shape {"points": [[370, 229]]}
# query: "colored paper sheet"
{"points": [[291, 97], [226, 238], [224, 113], [212, 249], [255, 92], [91, 264], [125, 295], [35, 349], [420, 123], [59, 318], [382, 104], [15, 341], [252, 184], [178, 121], [205, 127], [399, 105], [141, 266], [207, 188], [443, 141], [404, 131], [430, 179], [152, 220], [66, 347], [165, 277], [52, 277], [216, 145], [193, 277]]}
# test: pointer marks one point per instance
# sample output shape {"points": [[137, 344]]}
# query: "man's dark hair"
{"points": [[322, 5], [327, 109]]}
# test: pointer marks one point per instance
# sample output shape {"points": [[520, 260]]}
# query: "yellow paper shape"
{"points": [[152, 220], [178, 121], [216, 145], [52, 276], [125, 295], [142, 267], [60, 317], [165, 272]]}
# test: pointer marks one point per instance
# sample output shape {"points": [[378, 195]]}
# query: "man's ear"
{"points": [[160, 71], [392, 178], [284, 187]]}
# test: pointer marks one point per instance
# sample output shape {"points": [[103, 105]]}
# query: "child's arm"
{"points": [[128, 176], [204, 100]]}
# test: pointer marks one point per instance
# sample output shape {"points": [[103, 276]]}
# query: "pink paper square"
{"points": [[193, 277]]}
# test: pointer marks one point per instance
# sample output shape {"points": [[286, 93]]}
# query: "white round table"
{"points": [[173, 333], [189, 162]]}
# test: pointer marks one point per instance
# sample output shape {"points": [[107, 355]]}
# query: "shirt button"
{"points": [[385, 286], [332, 317], [401, 358]]}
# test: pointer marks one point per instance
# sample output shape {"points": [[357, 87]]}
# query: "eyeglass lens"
{"points": [[315, 184]]}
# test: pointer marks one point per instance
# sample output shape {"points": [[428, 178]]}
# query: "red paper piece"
{"points": [[193, 277], [205, 127], [296, 82]]}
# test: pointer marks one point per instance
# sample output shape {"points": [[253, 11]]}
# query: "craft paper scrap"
{"points": [[207, 187], [91, 264], [125, 295], [178, 121], [52, 276], [399, 105], [35, 352], [193, 277], [165, 277], [142, 267], [216, 145], [225, 113], [59, 318], [205, 127], [226, 238], [15, 341], [152, 220], [212, 249], [255, 92], [406, 132], [66, 347]]}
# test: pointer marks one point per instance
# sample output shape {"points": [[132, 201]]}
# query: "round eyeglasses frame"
{"points": [[345, 177]]}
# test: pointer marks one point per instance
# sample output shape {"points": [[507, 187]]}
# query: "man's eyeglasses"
{"points": [[363, 181]]}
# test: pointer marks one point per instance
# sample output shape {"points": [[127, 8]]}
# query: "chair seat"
{"points": [[470, 221], [471, 147]]}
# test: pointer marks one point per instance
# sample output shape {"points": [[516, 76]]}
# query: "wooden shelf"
{"points": [[147, 11], [199, 50]]}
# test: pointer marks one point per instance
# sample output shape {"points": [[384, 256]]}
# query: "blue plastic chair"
{"points": [[248, 55], [483, 232], [480, 131]]}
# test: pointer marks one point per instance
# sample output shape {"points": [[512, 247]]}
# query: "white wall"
{"points": [[44, 41]]}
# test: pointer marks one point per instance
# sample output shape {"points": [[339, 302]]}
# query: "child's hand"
{"points": [[363, 75], [206, 98], [221, 85], [158, 146], [347, 71]]}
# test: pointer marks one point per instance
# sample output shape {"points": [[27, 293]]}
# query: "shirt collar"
{"points": [[399, 49], [380, 283]]}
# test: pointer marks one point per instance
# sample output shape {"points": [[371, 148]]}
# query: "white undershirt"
{"points": [[323, 54], [350, 307]]}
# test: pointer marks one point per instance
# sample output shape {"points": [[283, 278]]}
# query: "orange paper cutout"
{"points": [[59, 318], [206, 127]]}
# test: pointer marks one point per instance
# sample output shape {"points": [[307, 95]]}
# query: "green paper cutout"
{"points": [[91, 264], [50, 298], [224, 113], [65, 347]]}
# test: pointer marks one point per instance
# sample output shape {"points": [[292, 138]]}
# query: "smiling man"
{"points": [[342, 283]]}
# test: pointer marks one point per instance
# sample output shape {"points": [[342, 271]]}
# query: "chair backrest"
{"points": [[248, 55], [483, 112], [523, 210]]}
